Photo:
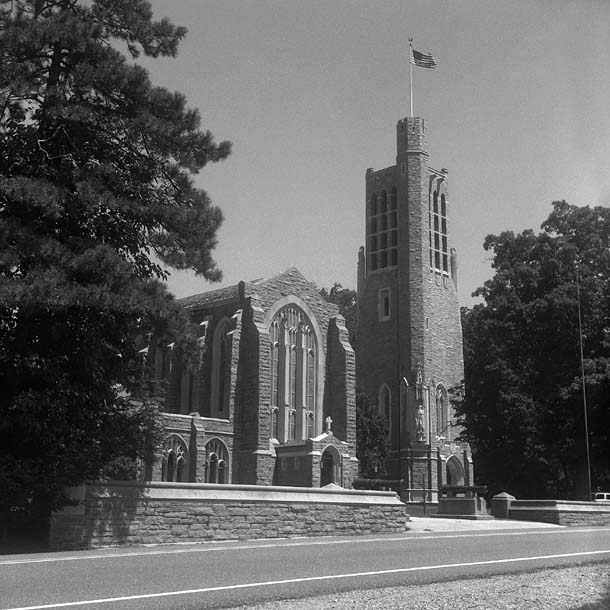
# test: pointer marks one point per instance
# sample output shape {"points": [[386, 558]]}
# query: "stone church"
{"points": [[409, 330], [268, 398]]}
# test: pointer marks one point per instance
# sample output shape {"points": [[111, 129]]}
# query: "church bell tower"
{"points": [[409, 339]]}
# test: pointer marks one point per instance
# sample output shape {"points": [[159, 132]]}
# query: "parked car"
{"points": [[602, 496]]}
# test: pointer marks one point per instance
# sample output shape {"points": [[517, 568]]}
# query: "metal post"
{"points": [[584, 388], [411, 75]]}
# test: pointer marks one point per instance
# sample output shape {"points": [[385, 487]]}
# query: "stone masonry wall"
{"points": [[161, 513], [341, 382], [561, 512]]}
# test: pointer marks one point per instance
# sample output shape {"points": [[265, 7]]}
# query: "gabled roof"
{"points": [[221, 294], [237, 291]]}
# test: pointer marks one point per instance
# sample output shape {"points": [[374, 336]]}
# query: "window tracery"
{"points": [[439, 248], [216, 462], [383, 231], [174, 459], [294, 362]]}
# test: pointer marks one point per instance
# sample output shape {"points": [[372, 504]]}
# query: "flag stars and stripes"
{"points": [[423, 60]]}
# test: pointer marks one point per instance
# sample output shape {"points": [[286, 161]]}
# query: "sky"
{"points": [[309, 93]]}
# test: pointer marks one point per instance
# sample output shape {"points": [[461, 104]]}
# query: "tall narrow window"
{"points": [[275, 363], [221, 369], [383, 305], [292, 399], [223, 374], [442, 413], [382, 230], [310, 372], [439, 247]]}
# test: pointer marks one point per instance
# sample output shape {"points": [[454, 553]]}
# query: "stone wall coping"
{"points": [[559, 506], [179, 416], [216, 420], [208, 492], [195, 415]]}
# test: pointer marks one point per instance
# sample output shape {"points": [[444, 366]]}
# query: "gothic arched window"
{"points": [[221, 369], [442, 412], [439, 247], [294, 363], [216, 462], [174, 460]]}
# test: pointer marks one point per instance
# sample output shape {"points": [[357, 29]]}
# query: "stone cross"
{"points": [[329, 421]]}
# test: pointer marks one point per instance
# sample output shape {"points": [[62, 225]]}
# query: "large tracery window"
{"points": [[294, 362], [439, 249], [382, 232]]}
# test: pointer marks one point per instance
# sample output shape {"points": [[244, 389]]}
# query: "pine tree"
{"points": [[96, 198]]}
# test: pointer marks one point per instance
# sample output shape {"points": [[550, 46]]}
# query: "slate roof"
{"points": [[204, 298], [230, 293]]}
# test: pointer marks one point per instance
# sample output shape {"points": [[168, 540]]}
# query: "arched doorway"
{"points": [[455, 472], [330, 467]]}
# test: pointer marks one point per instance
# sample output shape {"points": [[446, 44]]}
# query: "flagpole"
{"points": [[411, 76]]}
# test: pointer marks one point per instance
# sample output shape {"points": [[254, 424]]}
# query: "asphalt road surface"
{"points": [[223, 575]]}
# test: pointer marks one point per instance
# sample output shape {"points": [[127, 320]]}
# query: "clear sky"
{"points": [[309, 92]]}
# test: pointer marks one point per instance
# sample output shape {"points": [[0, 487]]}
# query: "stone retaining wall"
{"points": [[159, 513], [560, 512]]}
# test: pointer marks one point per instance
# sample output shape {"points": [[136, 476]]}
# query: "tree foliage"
{"points": [[345, 299], [97, 195], [371, 439], [523, 402]]}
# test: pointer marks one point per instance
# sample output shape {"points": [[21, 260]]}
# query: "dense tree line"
{"points": [[523, 404], [96, 199]]}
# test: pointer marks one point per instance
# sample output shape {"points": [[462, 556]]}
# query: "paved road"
{"points": [[215, 575]]}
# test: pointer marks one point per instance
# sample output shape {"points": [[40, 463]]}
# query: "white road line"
{"points": [[270, 583], [289, 543]]}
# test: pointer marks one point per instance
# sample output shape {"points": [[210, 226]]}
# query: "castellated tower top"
{"points": [[411, 135]]}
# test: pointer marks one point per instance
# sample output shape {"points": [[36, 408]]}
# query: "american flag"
{"points": [[423, 60]]}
